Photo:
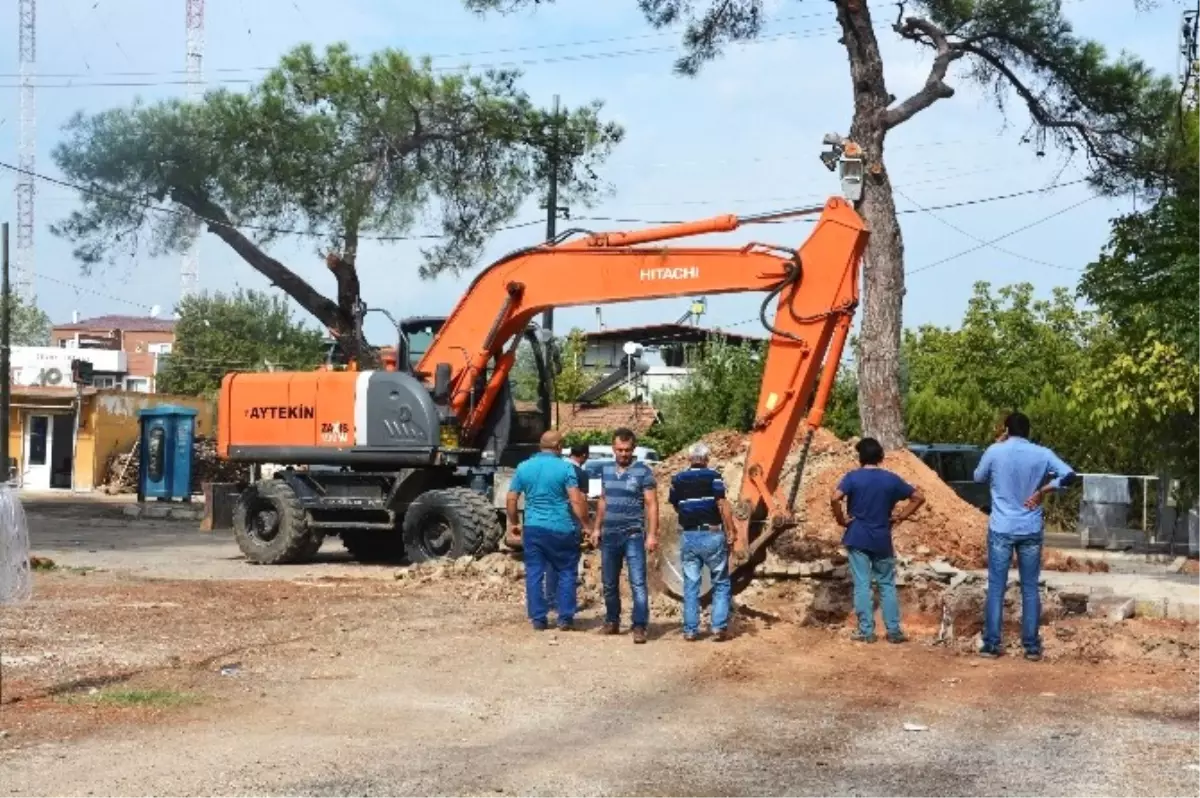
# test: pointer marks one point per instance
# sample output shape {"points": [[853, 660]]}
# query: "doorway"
{"points": [[48, 451], [62, 450], [35, 467]]}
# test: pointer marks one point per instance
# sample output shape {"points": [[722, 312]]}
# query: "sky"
{"points": [[743, 137]]}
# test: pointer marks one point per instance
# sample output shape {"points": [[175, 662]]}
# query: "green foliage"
{"points": [[1146, 277], [1073, 92], [720, 393], [572, 377], [333, 145], [1008, 347], [28, 324], [841, 413], [248, 330]]}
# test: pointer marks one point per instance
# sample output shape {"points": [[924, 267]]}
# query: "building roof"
{"points": [[118, 322], [638, 416], [665, 334], [48, 392]]}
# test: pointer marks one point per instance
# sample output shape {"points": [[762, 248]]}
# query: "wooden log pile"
{"points": [[122, 468]]}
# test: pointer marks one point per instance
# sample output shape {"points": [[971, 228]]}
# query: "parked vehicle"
{"points": [[955, 463]]}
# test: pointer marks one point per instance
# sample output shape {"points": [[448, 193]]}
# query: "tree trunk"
{"points": [[883, 267]]}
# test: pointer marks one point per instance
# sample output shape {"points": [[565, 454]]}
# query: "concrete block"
{"points": [[1177, 565], [132, 510], [155, 511], [1183, 610], [943, 569], [186, 513], [1074, 603], [793, 569], [1150, 608], [1111, 608]]}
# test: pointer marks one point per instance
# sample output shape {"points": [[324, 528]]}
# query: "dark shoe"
{"points": [[689, 637], [859, 637], [610, 629], [898, 637], [540, 626], [1033, 656], [566, 626], [720, 635], [639, 634], [989, 653]]}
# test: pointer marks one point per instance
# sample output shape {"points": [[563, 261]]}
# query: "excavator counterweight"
{"points": [[412, 462]]}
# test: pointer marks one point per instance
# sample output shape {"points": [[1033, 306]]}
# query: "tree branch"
{"points": [[1039, 113], [296, 287], [935, 87]]}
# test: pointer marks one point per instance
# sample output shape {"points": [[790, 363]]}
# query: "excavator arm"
{"points": [[813, 290]]}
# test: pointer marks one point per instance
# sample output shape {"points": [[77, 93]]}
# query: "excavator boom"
{"points": [[814, 291], [408, 460]]}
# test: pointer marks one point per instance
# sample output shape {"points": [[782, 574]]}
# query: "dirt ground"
{"points": [[153, 660]]}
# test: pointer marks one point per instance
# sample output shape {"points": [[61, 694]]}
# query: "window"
{"points": [[156, 442], [138, 384], [957, 466], [104, 382], [160, 349]]}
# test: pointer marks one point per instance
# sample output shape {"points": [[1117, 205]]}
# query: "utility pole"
{"points": [[552, 201], [27, 148], [1188, 34], [189, 272], [5, 362]]}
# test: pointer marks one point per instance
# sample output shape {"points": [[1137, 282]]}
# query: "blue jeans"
{"points": [[700, 549], [1029, 568], [866, 566], [559, 551], [617, 548]]}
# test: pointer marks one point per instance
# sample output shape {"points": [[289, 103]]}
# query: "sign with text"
{"points": [[50, 366]]}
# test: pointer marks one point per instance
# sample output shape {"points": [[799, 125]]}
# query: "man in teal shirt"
{"points": [[555, 510]]}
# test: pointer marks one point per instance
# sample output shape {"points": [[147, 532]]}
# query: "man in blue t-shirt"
{"points": [[626, 527], [551, 534], [872, 493]]}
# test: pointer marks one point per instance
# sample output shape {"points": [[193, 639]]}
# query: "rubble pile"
{"points": [[121, 471], [946, 528]]}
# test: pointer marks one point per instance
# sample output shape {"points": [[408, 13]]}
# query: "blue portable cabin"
{"points": [[165, 467]]}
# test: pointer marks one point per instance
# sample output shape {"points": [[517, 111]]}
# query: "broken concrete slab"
{"points": [[1110, 608], [1074, 603]]}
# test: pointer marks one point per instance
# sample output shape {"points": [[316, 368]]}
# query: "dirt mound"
{"points": [[946, 527]]}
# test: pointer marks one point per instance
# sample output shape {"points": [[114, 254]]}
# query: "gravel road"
{"points": [[344, 683]]}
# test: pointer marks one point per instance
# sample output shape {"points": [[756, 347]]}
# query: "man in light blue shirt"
{"points": [[555, 512], [1016, 470]]}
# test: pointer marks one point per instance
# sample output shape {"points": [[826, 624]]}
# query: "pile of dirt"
{"points": [[121, 472], [945, 528]]}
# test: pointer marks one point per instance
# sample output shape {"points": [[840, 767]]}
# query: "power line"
{"points": [[148, 205], [603, 55], [992, 241], [444, 56], [974, 237]]}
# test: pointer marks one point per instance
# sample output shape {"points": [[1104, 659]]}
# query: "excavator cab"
{"points": [[513, 428]]}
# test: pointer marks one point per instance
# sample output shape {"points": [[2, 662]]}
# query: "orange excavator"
{"points": [[414, 461]]}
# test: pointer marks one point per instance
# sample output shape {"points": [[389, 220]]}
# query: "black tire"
{"points": [[450, 523], [270, 525], [371, 546]]}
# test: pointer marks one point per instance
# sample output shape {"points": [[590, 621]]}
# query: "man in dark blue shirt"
{"points": [[872, 493], [578, 456], [706, 532], [1018, 472]]}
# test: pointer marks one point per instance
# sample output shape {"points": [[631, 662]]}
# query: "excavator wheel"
{"points": [[270, 526], [374, 547], [450, 523]]}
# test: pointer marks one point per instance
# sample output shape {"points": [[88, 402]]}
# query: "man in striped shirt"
{"points": [[626, 527], [706, 535]]}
